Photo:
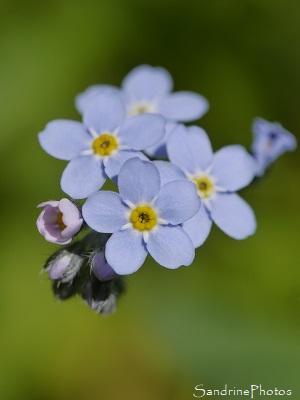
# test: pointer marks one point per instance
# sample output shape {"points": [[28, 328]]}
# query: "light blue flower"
{"points": [[216, 176], [144, 217], [148, 89], [270, 141], [99, 146]]}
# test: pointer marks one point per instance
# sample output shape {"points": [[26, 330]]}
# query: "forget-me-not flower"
{"points": [[270, 141], [216, 176], [144, 217], [148, 89], [99, 146]]}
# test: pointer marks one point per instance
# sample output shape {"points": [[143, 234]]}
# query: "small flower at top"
{"points": [[148, 89], [98, 147], [216, 176], [144, 217], [59, 221], [270, 141]]}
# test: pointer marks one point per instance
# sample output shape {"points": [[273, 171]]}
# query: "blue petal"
{"points": [[83, 99], [105, 212], [105, 113], [171, 247], [83, 176], [159, 150], [125, 251], [178, 201], [147, 83], [168, 172], [270, 141], [142, 131], [183, 106], [190, 148], [65, 139], [115, 162], [233, 167], [198, 227], [233, 215], [138, 181]]}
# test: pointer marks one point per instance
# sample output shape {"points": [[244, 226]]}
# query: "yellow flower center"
{"points": [[105, 144], [60, 221], [205, 186], [143, 218]]}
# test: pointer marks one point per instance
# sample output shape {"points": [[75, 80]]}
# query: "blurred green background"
{"points": [[233, 316]]}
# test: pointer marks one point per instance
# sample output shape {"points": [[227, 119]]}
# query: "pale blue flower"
{"points": [[148, 89], [216, 176], [99, 146], [144, 217], [270, 141]]}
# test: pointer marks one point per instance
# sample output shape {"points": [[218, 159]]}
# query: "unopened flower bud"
{"points": [[102, 270], [100, 296], [64, 291], [59, 221], [65, 266]]}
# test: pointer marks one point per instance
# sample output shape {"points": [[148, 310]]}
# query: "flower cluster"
{"points": [[170, 185]]}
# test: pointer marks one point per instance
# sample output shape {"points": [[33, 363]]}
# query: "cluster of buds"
{"points": [[80, 268]]}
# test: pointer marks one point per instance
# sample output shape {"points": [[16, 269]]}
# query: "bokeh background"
{"points": [[233, 316]]}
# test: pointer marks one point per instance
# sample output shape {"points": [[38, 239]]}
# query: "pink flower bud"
{"points": [[59, 221]]}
